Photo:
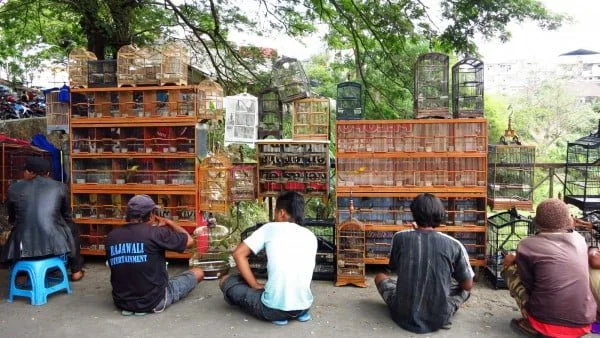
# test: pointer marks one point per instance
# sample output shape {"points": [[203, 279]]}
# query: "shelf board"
{"points": [[166, 189], [131, 89], [443, 228], [87, 122], [467, 191], [133, 154], [385, 261], [411, 122], [119, 222], [168, 254], [403, 155]]}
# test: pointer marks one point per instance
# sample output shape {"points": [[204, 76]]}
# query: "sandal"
{"points": [[131, 313], [77, 279], [522, 326]]}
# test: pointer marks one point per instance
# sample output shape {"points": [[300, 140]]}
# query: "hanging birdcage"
{"points": [[241, 119], [174, 65], [582, 173], [210, 101], [505, 231], [270, 114], [214, 176], [467, 88], [311, 119], [78, 67], [351, 254], [127, 65], [243, 182], [431, 97], [289, 78], [349, 101], [57, 113]]}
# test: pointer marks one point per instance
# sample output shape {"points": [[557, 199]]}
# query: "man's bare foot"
{"points": [[77, 276]]}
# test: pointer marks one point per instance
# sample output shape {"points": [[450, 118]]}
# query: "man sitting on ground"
{"points": [[594, 261], [136, 256], [434, 274], [549, 277], [291, 250]]}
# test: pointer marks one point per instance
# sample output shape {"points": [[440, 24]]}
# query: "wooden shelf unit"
{"points": [[293, 165], [143, 142], [383, 165]]}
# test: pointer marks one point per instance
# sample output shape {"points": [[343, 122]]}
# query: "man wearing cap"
{"points": [[38, 208], [549, 278], [136, 257]]}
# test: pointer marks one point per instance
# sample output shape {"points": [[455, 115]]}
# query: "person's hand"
{"points": [[509, 259], [258, 286], [161, 221]]}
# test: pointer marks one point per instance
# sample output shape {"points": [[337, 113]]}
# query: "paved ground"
{"points": [[337, 312]]}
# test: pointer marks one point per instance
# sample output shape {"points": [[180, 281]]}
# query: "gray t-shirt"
{"points": [[554, 270], [425, 262]]}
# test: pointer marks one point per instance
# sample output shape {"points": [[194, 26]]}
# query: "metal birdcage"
{"points": [[78, 67], [351, 253], [174, 64], [289, 78], [214, 187], [210, 101], [467, 88], [349, 101], [127, 65], [505, 231], [102, 73], [511, 176], [13, 164], [243, 182], [270, 114], [310, 119], [582, 173], [431, 91]]}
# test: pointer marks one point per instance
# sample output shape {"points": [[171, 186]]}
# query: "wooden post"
{"points": [[551, 177]]}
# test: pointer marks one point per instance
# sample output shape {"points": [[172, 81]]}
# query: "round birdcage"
{"points": [[210, 100]]}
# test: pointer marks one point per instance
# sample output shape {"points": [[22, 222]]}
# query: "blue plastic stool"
{"points": [[37, 271]]}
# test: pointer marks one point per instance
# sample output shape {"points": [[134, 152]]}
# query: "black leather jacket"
{"points": [[39, 210]]}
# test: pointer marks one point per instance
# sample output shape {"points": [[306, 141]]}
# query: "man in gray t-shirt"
{"points": [[434, 274]]}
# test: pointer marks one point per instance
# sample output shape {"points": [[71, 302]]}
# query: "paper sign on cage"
{"points": [[241, 119]]}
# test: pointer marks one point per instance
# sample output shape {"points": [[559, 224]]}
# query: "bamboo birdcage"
{"points": [[210, 102], [174, 64], [467, 88], [290, 79], [214, 176], [270, 114], [311, 119], [431, 91], [57, 113], [351, 253], [78, 67], [243, 182], [149, 60], [127, 66]]}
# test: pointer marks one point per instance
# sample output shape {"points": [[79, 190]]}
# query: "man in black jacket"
{"points": [[38, 209]]}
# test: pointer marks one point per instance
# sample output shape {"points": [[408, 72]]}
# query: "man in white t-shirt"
{"points": [[291, 251]]}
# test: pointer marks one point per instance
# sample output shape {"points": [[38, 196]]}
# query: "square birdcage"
{"points": [[210, 101], [289, 78], [57, 113], [243, 182], [174, 65], [349, 104], [270, 114], [148, 60], [467, 88], [214, 183], [431, 87], [241, 119], [350, 265], [102, 73], [128, 65], [504, 232], [310, 119], [78, 67], [582, 173], [510, 176]]}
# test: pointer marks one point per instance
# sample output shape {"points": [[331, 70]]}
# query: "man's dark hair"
{"points": [[138, 218], [293, 203], [427, 210], [37, 165]]}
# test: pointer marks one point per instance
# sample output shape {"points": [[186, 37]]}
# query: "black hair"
{"points": [[138, 218], [293, 204], [427, 210]]}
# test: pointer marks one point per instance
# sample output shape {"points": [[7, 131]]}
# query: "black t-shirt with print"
{"points": [[136, 256]]}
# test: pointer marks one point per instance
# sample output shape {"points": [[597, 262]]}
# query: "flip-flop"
{"points": [[131, 313], [78, 279], [522, 326], [305, 317]]}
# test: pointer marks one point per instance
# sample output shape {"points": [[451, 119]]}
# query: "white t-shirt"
{"points": [[291, 251]]}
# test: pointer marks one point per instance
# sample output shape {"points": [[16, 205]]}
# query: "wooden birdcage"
{"points": [[78, 67], [102, 73], [214, 176], [57, 113], [210, 101], [351, 253], [270, 114], [149, 60], [174, 65], [311, 119], [289, 78], [582, 173], [431, 91], [241, 119], [349, 101], [467, 88], [127, 65], [243, 182]]}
